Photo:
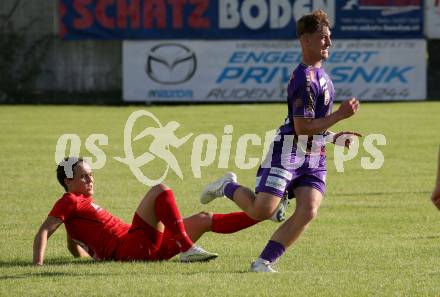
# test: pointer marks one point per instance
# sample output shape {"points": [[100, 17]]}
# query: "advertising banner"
{"points": [[432, 19], [379, 18], [256, 71], [235, 19]]}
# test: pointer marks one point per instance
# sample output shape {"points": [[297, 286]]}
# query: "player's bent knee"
{"points": [[206, 214], [307, 214], [154, 192], [157, 189], [262, 214], [264, 206], [160, 187], [202, 219], [206, 217]]}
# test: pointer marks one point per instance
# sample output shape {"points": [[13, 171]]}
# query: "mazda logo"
{"points": [[171, 63]]}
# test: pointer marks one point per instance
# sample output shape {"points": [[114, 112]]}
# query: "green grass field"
{"points": [[377, 233]]}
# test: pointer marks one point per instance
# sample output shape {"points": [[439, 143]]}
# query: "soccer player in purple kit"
{"points": [[288, 172]]}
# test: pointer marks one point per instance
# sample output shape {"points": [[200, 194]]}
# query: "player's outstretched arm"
{"points": [[75, 249], [436, 193], [316, 126], [40, 242]]}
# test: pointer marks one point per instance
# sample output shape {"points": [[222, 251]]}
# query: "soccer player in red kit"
{"points": [[157, 231]]}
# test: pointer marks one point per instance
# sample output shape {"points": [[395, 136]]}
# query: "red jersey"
{"points": [[91, 226]]}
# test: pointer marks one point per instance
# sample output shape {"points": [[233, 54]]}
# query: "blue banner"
{"points": [[235, 19], [380, 19]]}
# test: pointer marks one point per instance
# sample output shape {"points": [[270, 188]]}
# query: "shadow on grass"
{"points": [[48, 262], [37, 273], [425, 237], [49, 274], [213, 271]]}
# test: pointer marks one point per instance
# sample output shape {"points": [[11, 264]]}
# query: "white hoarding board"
{"points": [[219, 71], [432, 19]]}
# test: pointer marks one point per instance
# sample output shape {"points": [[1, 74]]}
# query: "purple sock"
{"points": [[230, 189], [272, 251]]}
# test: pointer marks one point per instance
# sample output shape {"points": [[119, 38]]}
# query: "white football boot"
{"points": [[261, 265], [280, 213], [196, 254], [216, 188]]}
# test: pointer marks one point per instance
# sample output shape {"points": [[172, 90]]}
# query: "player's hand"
{"points": [[348, 107], [435, 197], [345, 138]]}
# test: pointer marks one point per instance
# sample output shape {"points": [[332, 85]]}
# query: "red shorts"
{"points": [[144, 243]]}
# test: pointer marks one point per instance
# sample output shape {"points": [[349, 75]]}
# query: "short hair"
{"points": [[310, 23], [65, 169]]}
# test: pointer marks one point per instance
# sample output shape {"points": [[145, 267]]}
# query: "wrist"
{"points": [[329, 137], [338, 115]]}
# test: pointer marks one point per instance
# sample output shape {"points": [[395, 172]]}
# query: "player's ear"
{"points": [[305, 38], [67, 181]]}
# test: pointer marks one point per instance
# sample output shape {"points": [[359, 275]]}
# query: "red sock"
{"points": [[168, 213], [231, 222]]}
